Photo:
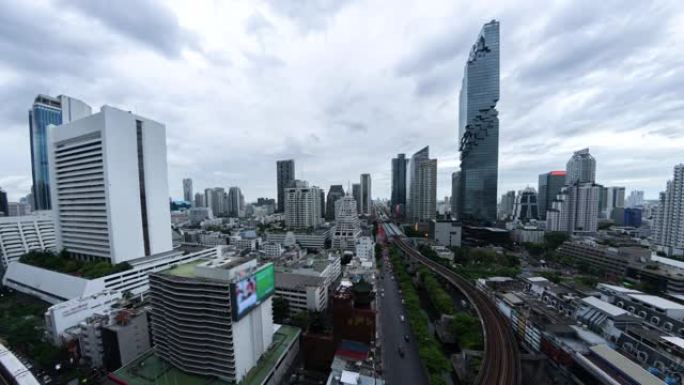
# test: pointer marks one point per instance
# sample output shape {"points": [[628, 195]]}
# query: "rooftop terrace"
{"points": [[150, 369]]}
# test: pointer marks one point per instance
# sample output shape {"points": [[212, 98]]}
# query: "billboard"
{"points": [[250, 291]]}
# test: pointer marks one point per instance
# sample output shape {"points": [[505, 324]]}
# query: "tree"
{"points": [[378, 251], [302, 320], [346, 258], [467, 330], [281, 309], [553, 239]]}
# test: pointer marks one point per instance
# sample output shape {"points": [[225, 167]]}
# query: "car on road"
{"points": [[401, 318], [401, 351], [406, 338]]}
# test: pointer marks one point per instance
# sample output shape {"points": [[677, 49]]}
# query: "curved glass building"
{"points": [[479, 129]]}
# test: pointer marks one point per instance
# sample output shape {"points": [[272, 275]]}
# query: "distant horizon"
{"points": [[239, 88]]}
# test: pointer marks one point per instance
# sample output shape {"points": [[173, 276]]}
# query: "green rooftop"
{"points": [[281, 341], [186, 270], [150, 369]]}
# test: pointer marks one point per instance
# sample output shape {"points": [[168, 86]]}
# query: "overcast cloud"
{"points": [[343, 86]]}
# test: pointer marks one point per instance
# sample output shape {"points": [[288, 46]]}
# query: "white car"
{"points": [[401, 318]]}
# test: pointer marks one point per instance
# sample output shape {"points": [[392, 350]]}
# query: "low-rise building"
{"points": [[315, 239], [603, 258], [21, 234], [365, 248], [272, 250], [443, 253], [354, 365], [56, 287], [306, 284], [529, 234], [66, 315], [446, 233]]}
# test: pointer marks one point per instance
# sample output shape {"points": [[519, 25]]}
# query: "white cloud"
{"points": [[343, 87]]}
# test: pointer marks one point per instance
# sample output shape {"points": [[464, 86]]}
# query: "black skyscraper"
{"points": [[336, 192], [550, 185], [398, 200], [286, 175], [4, 209]]}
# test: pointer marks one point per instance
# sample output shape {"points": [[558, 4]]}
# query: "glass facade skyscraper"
{"points": [[550, 185], [47, 110], [479, 129], [398, 199]]}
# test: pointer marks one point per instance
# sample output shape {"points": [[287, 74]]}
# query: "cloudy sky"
{"points": [[342, 86]]}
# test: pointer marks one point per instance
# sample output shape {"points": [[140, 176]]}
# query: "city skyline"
{"points": [[218, 146]]}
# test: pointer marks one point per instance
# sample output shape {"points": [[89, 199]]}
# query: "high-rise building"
{"points": [[187, 190], [550, 185], [347, 229], [366, 199], [4, 208], [614, 198], [199, 200], [217, 200], [668, 228], [47, 110], [455, 183], [576, 208], [356, 194], [581, 168], [398, 198], [507, 205], [109, 186], [422, 186], [322, 199], [302, 205], [285, 170], [478, 129], [236, 203], [635, 199], [213, 317], [335, 192], [526, 207]]}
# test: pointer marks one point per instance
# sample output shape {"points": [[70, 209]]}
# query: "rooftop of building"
{"points": [[283, 339], [678, 341], [185, 270], [150, 369], [657, 302], [605, 307], [618, 289], [622, 364], [288, 280]]}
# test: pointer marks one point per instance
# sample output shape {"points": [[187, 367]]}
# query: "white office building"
{"points": [[668, 228], [302, 205], [55, 287], [365, 249], [347, 228], [213, 317], [109, 186], [68, 314], [576, 209], [422, 186], [19, 235]]}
